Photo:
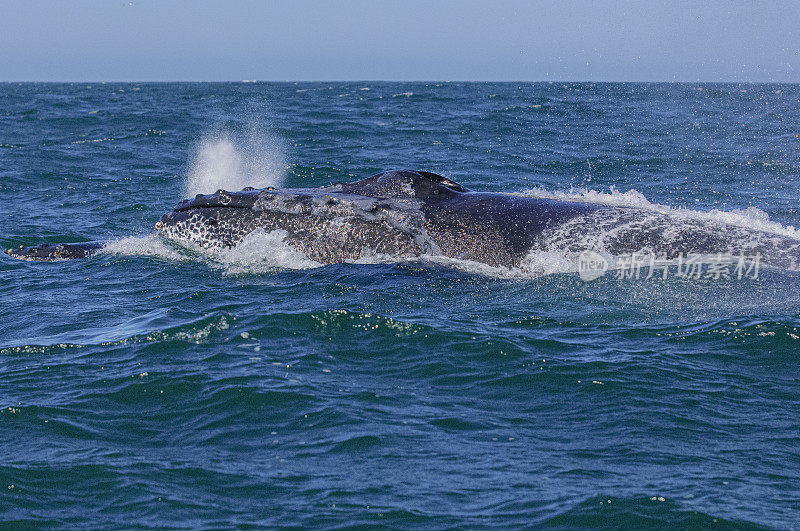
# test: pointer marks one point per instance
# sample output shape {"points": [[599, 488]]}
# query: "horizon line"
{"points": [[551, 81]]}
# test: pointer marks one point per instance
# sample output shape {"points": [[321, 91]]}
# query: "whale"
{"points": [[402, 214], [406, 214]]}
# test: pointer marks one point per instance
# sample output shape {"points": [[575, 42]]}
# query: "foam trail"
{"points": [[536, 264], [232, 161], [750, 218]]}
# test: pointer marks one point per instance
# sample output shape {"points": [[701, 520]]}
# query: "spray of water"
{"points": [[232, 161]]}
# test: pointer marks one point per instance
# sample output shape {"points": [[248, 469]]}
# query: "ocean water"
{"points": [[158, 386]]}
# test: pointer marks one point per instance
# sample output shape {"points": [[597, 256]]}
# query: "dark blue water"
{"points": [[150, 386]]}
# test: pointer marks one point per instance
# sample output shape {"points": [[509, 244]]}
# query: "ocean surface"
{"points": [[157, 386]]}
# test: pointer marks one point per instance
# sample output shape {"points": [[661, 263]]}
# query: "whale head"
{"points": [[380, 214]]}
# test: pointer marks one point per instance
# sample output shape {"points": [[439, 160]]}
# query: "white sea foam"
{"points": [[750, 218], [150, 245], [536, 264], [260, 252], [233, 161]]}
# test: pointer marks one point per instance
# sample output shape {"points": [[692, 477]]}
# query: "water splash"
{"points": [[750, 218], [232, 161], [149, 245], [260, 252]]}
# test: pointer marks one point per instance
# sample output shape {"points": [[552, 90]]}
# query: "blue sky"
{"points": [[159, 40]]}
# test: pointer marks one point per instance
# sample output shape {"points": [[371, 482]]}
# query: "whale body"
{"points": [[398, 213], [405, 214]]}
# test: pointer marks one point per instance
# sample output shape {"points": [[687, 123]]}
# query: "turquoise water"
{"points": [[157, 386]]}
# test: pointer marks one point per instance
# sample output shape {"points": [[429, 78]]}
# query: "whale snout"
{"points": [[48, 252]]}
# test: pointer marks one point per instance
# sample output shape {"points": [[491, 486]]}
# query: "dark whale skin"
{"points": [[403, 214], [398, 213], [48, 252]]}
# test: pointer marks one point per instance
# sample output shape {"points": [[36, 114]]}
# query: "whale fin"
{"points": [[52, 252]]}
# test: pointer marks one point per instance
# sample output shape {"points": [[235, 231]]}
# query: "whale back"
{"points": [[420, 185]]}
